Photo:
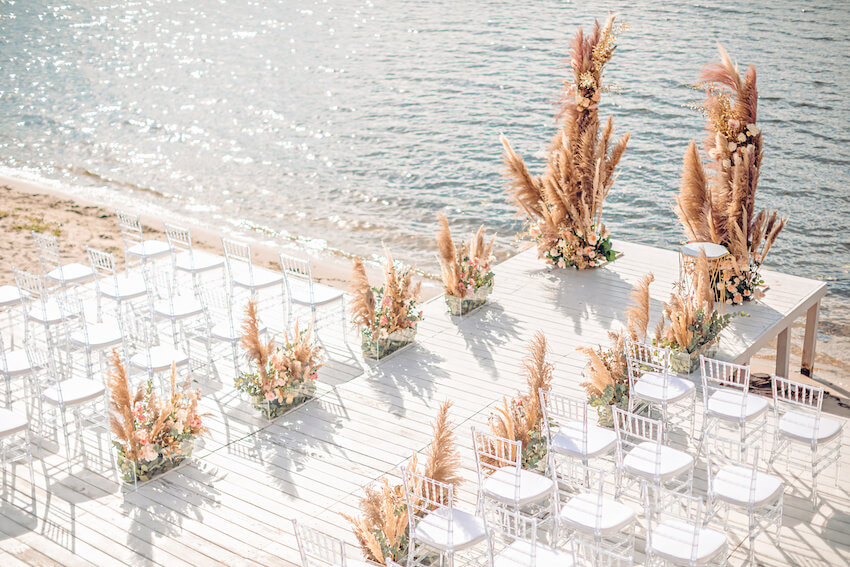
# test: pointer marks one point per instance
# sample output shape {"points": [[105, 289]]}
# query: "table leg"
{"points": [[807, 364], [783, 350]]}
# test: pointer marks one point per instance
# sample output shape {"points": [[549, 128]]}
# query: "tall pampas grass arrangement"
{"points": [[719, 206], [382, 525], [520, 419], [465, 268], [564, 204]]}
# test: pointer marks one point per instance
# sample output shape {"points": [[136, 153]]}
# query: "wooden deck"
{"points": [[232, 504]]}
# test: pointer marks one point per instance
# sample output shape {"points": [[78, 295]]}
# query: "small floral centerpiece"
{"points": [[521, 419], [152, 434], [285, 375], [467, 277], [564, 204], [387, 316], [382, 528], [720, 208], [690, 326]]}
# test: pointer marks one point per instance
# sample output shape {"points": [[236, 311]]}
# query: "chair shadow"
{"points": [[486, 329]]}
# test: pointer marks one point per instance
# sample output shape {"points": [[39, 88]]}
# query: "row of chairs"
{"points": [[566, 514]]}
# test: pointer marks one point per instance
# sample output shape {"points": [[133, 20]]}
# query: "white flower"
{"points": [[727, 163], [742, 137], [731, 146], [753, 129], [562, 243], [148, 453]]}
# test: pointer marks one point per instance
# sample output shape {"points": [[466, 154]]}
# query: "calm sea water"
{"points": [[356, 122]]}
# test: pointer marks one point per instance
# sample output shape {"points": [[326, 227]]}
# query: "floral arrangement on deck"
{"points": [[285, 376], [607, 372], [520, 419], [467, 277], [564, 204], [382, 527], [689, 324], [153, 434], [721, 209], [386, 315]]}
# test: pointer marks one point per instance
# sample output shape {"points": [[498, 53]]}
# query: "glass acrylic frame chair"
{"points": [[516, 541], [318, 549], [55, 271], [302, 291]]}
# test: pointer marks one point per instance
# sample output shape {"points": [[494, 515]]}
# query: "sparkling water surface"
{"points": [[356, 122]]}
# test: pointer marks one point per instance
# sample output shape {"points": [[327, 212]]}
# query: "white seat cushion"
{"points": [[501, 486], [650, 387], [674, 540], [17, 362], [11, 423], [182, 307], [569, 440], [727, 405], [9, 295], [732, 484], [71, 273], [49, 313], [224, 331], [518, 554], [128, 287], [74, 391], [299, 292], [432, 530], [198, 261], [640, 461], [149, 249], [161, 357], [581, 511], [100, 335], [800, 426], [262, 277]]}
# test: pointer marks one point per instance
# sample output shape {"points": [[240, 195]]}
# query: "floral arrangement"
{"points": [[381, 312], [608, 382], [721, 209], [285, 375], [467, 277], [152, 434], [382, 527], [520, 419], [564, 204]]}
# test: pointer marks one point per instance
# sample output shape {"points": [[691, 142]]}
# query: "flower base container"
{"points": [[476, 299], [685, 363], [274, 408], [133, 472], [384, 346]]}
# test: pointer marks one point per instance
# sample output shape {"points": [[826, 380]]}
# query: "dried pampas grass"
{"points": [[458, 277], [257, 351]]}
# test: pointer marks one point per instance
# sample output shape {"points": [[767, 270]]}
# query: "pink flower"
{"points": [[561, 263], [738, 298], [592, 238], [270, 396], [147, 453], [747, 293], [730, 288], [734, 124], [384, 321], [387, 300]]}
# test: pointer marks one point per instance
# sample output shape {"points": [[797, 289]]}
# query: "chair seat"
{"points": [[732, 484], [71, 273], [518, 554], [581, 511], [161, 357], [228, 332], [501, 486], [9, 295], [800, 426], [74, 391], [570, 436], [433, 530], [198, 261], [17, 362], [261, 278], [98, 335], [11, 423], [178, 308], [50, 313], [299, 292], [641, 461], [127, 288], [149, 249], [734, 405], [650, 387], [673, 540]]}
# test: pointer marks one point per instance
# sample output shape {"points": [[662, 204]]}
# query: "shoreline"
{"points": [[25, 206]]}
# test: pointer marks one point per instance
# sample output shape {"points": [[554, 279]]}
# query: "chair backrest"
{"points": [[47, 247], [562, 412], [103, 263], [517, 535], [179, 238], [425, 495], [237, 255], [593, 485], [684, 514], [739, 460], [642, 358], [34, 294], [787, 393], [130, 226], [493, 453], [632, 430], [318, 548], [296, 270]]}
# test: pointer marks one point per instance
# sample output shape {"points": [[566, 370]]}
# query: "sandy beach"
{"points": [[25, 207]]}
